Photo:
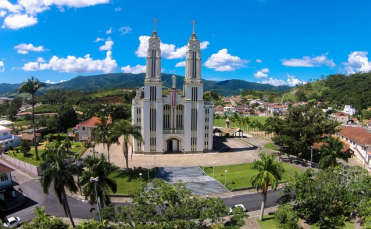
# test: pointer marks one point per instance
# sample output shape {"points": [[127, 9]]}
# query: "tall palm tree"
{"points": [[128, 132], [98, 167], [270, 173], [60, 174], [31, 86], [105, 133], [330, 152]]}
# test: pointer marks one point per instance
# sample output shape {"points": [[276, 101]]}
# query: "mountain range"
{"points": [[128, 80]]}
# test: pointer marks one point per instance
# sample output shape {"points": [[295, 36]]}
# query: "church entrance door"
{"points": [[172, 145]]}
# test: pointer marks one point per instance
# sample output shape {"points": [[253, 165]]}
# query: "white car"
{"points": [[237, 206], [13, 222]]}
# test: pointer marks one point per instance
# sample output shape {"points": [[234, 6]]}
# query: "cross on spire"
{"points": [[155, 21], [194, 23]]}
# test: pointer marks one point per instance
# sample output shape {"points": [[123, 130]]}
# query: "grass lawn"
{"points": [[30, 157], [129, 182], [239, 176], [271, 146], [221, 122], [267, 223], [348, 225]]}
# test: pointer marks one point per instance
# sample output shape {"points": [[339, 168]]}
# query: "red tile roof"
{"points": [[90, 122], [340, 114], [357, 134], [4, 168]]}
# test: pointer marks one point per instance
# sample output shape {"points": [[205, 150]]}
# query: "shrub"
{"points": [[286, 217]]}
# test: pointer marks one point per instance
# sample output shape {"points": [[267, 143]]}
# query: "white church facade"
{"points": [[174, 122]]}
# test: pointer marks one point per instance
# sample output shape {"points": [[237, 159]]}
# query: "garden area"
{"points": [[239, 176]]}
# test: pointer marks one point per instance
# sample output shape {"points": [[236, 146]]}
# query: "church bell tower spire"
{"points": [[193, 59], [153, 66]]}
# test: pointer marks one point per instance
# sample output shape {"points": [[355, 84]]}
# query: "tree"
{"points": [[25, 148], [299, 129], [128, 132], [60, 174], [270, 173], [100, 168], [42, 220], [330, 151], [67, 118], [31, 87], [286, 217], [105, 133], [172, 206]]}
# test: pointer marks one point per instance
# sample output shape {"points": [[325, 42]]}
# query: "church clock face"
{"points": [[154, 45], [194, 47]]}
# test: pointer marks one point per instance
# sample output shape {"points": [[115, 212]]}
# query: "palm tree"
{"points": [[270, 173], [60, 174], [128, 132], [330, 152], [105, 133], [31, 86], [98, 167]]}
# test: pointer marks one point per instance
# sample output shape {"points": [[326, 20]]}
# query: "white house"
{"points": [[7, 139], [175, 122], [6, 123], [359, 140], [83, 130], [6, 182], [349, 110], [229, 109]]}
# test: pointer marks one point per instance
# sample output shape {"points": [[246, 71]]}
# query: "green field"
{"points": [[348, 225], [129, 182], [30, 157], [267, 223], [239, 176], [271, 146], [221, 122]]}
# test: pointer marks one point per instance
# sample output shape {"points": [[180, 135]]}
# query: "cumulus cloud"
{"points": [[109, 31], [357, 62], [125, 30], [258, 61], [52, 82], [73, 64], [24, 13], [168, 51], [262, 73], [223, 61], [107, 45], [291, 81], [180, 64], [135, 69], [99, 39], [40, 60], [25, 48], [307, 61], [1, 64], [118, 9]]}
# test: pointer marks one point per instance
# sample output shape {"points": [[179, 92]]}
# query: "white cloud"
{"points": [[75, 3], [109, 31], [107, 45], [4, 4], [357, 62], [1, 64], [40, 60], [118, 8], [168, 51], [73, 64], [99, 39], [223, 61], [2, 70], [17, 21], [262, 73], [125, 30], [291, 81], [2, 13], [25, 48], [258, 61], [52, 82], [307, 61], [135, 70], [180, 64]]}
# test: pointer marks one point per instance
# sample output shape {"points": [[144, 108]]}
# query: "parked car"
{"points": [[237, 206], [12, 222], [225, 149]]}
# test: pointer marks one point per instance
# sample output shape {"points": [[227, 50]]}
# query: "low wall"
{"points": [[31, 168]]}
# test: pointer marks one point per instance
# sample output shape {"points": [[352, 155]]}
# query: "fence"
{"points": [[31, 168]]}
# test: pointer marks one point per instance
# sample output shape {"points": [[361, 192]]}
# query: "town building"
{"points": [[8, 139], [174, 122], [339, 117], [349, 110], [6, 182], [83, 130]]}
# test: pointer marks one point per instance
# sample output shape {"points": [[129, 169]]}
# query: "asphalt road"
{"points": [[35, 196]]}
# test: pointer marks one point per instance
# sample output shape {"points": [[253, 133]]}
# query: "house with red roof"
{"points": [[359, 141], [83, 130], [339, 117]]}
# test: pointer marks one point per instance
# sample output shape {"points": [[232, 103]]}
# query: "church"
{"points": [[177, 122]]}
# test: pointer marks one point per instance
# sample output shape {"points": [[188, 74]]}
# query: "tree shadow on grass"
{"points": [[134, 174]]}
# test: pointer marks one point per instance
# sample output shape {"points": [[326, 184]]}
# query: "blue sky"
{"points": [[270, 41]]}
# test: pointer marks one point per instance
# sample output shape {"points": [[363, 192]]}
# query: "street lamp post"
{"points": [[213, 169], [95, 181], [311, 155], [154, 162], [148, 170], [204, 161], [225, 179], [140, 175]]}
